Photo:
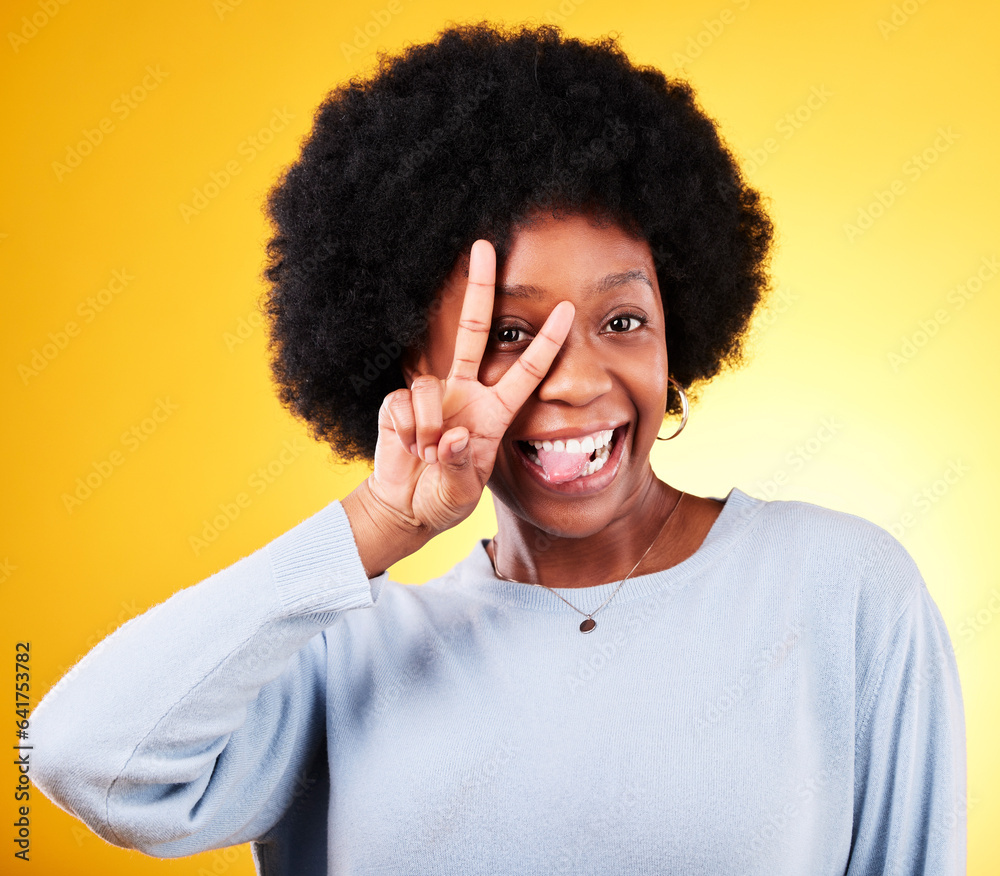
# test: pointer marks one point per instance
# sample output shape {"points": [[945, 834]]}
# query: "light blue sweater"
{"points": [[784, 701]]}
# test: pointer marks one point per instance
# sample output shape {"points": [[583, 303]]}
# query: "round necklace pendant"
{"points": [[587, 625]]}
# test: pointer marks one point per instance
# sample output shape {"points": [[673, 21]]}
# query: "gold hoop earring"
{"points": [[685, 409]]}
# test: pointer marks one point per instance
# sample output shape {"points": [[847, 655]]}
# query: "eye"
{"points": [[506, 335], [625, 322]]}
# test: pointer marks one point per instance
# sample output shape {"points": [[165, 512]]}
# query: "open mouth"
{"points": [[562, 461]]}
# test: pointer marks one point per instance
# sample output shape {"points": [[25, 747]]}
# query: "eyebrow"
{"points": [[606, 284]]}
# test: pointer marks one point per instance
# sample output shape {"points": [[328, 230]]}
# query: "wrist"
{"points": [[383, 535]]}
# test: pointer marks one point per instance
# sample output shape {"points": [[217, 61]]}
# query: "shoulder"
{"points": [[862, 573], [838, 539]]}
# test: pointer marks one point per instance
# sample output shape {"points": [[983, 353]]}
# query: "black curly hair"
{"points": [[467, 137]]}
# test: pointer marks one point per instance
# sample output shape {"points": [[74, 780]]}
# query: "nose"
{"points": [[577, 376]]}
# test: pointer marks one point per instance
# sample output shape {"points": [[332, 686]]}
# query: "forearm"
{"points": [[202, 705]]}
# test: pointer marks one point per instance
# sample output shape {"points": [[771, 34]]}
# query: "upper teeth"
{"points": [[576, 445]]}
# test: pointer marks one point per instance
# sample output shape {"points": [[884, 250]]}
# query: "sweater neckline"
{"points": [[738, 510]]}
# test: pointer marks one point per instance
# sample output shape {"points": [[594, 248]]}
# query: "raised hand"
{"points": [[438, 440]]}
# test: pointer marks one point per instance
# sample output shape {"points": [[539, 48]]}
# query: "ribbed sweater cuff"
{"points": [[317, 569]]}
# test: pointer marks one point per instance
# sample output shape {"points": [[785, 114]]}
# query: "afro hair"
{"points": [[467, 137]]}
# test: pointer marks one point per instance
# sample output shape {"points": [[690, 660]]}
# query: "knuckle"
{"points": [[400, 412], [471, 324], [464, 368], [424, 384], [545, 338], [531, 368], [393, 408]]}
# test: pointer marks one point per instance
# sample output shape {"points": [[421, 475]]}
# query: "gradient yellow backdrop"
{"points": [[140, 140]]}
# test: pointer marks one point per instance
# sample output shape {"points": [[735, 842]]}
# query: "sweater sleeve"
{"points": [[191, 726], [910, 779]]}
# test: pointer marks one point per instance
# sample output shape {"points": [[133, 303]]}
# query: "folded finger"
{"points": [[396, 415], [425, 395]]}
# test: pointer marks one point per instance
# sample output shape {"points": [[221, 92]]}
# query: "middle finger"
{"points": [[426, 394]]}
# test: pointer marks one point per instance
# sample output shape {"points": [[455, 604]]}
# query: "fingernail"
{"points": [[431, 455], [413, 448], [459, 446]]}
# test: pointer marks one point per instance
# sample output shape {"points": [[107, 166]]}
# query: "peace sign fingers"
{"points": [[477, 313]]}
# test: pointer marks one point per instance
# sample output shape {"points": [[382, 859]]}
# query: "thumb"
{"points": [[454, 450]]}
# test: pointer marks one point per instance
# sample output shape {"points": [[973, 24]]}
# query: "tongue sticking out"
{"points": [[560, 467]]}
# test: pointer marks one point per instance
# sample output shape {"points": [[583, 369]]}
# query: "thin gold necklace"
{"points": [[588, 623]]}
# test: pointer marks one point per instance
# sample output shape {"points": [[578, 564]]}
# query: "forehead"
{"points": [[571, 252]]}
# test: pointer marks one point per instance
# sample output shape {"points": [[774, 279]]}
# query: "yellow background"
{"points": [[179, 334]]}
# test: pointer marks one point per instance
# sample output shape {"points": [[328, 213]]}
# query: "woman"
{"points": [[491, 263]]}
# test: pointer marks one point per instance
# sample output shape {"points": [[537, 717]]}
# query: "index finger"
{"points": [[531, 366], [477, 312]]}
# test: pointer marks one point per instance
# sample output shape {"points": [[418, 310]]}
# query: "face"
{"points": [[609, 377]]}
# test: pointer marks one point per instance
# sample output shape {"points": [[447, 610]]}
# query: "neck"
{"points": [[523, 551]]}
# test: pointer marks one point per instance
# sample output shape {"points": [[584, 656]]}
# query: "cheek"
{"points": [[647, 375]]}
